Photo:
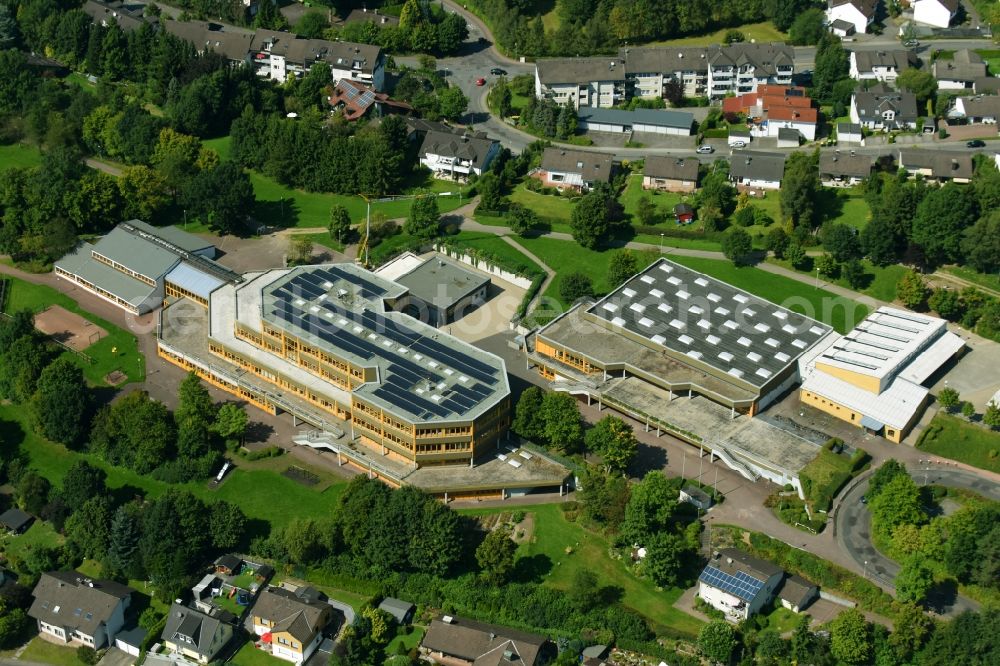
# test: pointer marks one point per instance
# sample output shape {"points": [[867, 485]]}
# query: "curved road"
{"points": [[852, 525]]}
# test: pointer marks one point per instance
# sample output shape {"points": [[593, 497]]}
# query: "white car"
{"points": [[739, 144], [705, 150]]}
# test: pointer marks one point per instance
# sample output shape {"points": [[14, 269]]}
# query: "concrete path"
{"points": [[549, 273]]}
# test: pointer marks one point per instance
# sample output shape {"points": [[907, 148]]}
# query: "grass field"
{"points": [[39, 534], [882, 283], [220, 145], [992, 59], [248, 655], [762, 32], [953, 437], [496, 246], [125, 357], [568, 548], [981, 279], [839, 312], [263, 494], [551, 206], [407, 641], [567, 257], [19, 155], [43, 652], [824, 476]]}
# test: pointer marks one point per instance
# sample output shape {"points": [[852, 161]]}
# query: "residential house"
{"points": [[282, 55], [938, 165], [646, 71], [639, 121], [880, 65], [456, 156], [581, 82], [837, 169], [364, 15], [850, 133], [231, 42], [796, 593], [841, 28], [978, 109], [670, 174], [880, 108], [354, 100], [754, 170], [195, 635], [107, 13], [228, 564], [401, 611], [75, 609], [738, 584], [936, 13], [859, 14], [459, 642], [773, 108], [14, 521], [577, 169], [959, 72], [292, 621], [986, 85]]}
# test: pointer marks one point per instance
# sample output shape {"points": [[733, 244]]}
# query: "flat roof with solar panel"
{"points": [[422, 373], [674, 308], [739, 574]]}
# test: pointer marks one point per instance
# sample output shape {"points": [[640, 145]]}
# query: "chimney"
{"points": [[954, 165], [729, 560]]}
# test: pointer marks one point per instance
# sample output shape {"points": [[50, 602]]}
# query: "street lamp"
{"points": [[817, 277], [866, 569], [661, 242]]}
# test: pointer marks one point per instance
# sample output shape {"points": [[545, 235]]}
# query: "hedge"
{"points": [[152, 637]]}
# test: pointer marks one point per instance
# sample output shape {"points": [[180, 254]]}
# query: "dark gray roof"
{"points": [[757, 165], [655, 117], [942, 164], [234, 43], [15, 519], [848, 128], [192, 629], [107, 13], [178, 237], [360, 15], [982, 106], [899, 59], [580, 70], [788, 134], [441, 282], [986, 84], [594, 167], [483, 644], [866, 7], [739, 132], [965, 65], [671, 168], [301, 615], [229, 561], [133, 636], [672, 307], [796, 590], [873, 102], [461, 146], [733, 561], [659, 59], [68, 599], [841, 24], [765, 58], [397, 608], [840, 164]]}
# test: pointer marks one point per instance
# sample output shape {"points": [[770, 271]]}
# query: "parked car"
{"points": [[738, 144], [496, 71], [864, 499], [975, 143], [480, 81], [705, 150], [911, 43]]}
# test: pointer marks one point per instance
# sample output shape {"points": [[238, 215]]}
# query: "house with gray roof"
{"points": [[880, 65], [457, 155], [938, 165], [796, 593], [72, 608], [401, 611], [135, 266], [454, 640], [577, 169], [977, 109], [850, 133], [738, 584], [841, 169], [195, 635], [639, 121], [845, 17], [753, 170], [960, 71], [292, 621], [108, 13], [881, 109], [670, 174], [15, 521]]}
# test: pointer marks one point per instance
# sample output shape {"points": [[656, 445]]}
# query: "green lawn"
{"points": [[220, 145], [762, 32], [881, 285], [19, 155], [408, 641], [988, 281], [43, 652], [263, 494], [839, 312], [496, 246], [554, 536], [824, 476], [953, 437], [323, 238], [782, 620], [567, 257], [249, 655], [40, 533], [553, 206], [79, 79], [992, 59], [119, 350]]}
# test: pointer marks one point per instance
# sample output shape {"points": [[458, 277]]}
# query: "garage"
{"points": [[640, 121]]}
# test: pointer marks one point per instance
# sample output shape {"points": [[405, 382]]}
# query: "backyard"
{"points": [[250, 655], [19, 155], [40, 651], [953, 437], [119, 350], [560, 548], [761, 32]]}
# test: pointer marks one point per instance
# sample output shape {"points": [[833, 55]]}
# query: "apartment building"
{"points": [[645, 72], [882, 66]]}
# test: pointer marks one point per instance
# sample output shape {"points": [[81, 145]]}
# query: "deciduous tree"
{"points": [[850, 637], [495, 555], [948, 398], [563, 426], [60, 403], [82, 482], [737, 245], [424, 220], [621, 267], [615, 441], [912, 291], [574, 286], [529, 420], [717, 640], [914, 580]]}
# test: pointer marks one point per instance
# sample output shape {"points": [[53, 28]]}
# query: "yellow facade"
{"points": [[862, 381], [846, 414]]}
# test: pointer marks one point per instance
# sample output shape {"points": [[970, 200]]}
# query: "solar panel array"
{"points": [[419, 375], [740, 585], [710, 321], [362, 97]]}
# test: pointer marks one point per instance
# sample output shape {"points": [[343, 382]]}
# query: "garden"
{"points": [[952, 437]]}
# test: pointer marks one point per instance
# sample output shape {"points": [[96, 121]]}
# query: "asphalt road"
{"points": [[853, 528]]}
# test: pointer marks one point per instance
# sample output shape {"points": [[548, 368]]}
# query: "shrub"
{"points": [[86, 655]]}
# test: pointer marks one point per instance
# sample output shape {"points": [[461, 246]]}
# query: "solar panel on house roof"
{"points": [[740, 585]]}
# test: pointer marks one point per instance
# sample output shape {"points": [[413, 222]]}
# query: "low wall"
{"points": [[840, 601], [486, 267]]}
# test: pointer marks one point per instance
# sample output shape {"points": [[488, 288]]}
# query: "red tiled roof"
{"points": [[789, 113]]}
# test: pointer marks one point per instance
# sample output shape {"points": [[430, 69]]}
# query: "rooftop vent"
{"points": [[448, 619]]}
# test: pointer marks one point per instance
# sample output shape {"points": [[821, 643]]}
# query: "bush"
{"points": [[517, 517], [266, 452], [86, 655]]}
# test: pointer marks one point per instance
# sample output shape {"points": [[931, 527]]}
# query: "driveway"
{"points": [[852, 525], [116, 657]]}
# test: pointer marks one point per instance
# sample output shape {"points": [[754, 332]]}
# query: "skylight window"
{"points": [[713, 339], [771, 342], [609, 306], [664, 308], [647, 322], [740, 298], [656, 293], [762, 327], [674, 280], [659, 339], [701, 282], [754, 356], [782, 357], [666, 268], [781, 315], [735, 372], [816, 330], [637, 307], [747, 312], [618, 321], [745, 341], [695, 355], [704, 324], [628, 291], [788, 328], [722, 312], [726, 356], [694, 309], [683, 295], [677, 323], [648, 279], [715, 298], [763, 372], [801, 344], [730, 324]]}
